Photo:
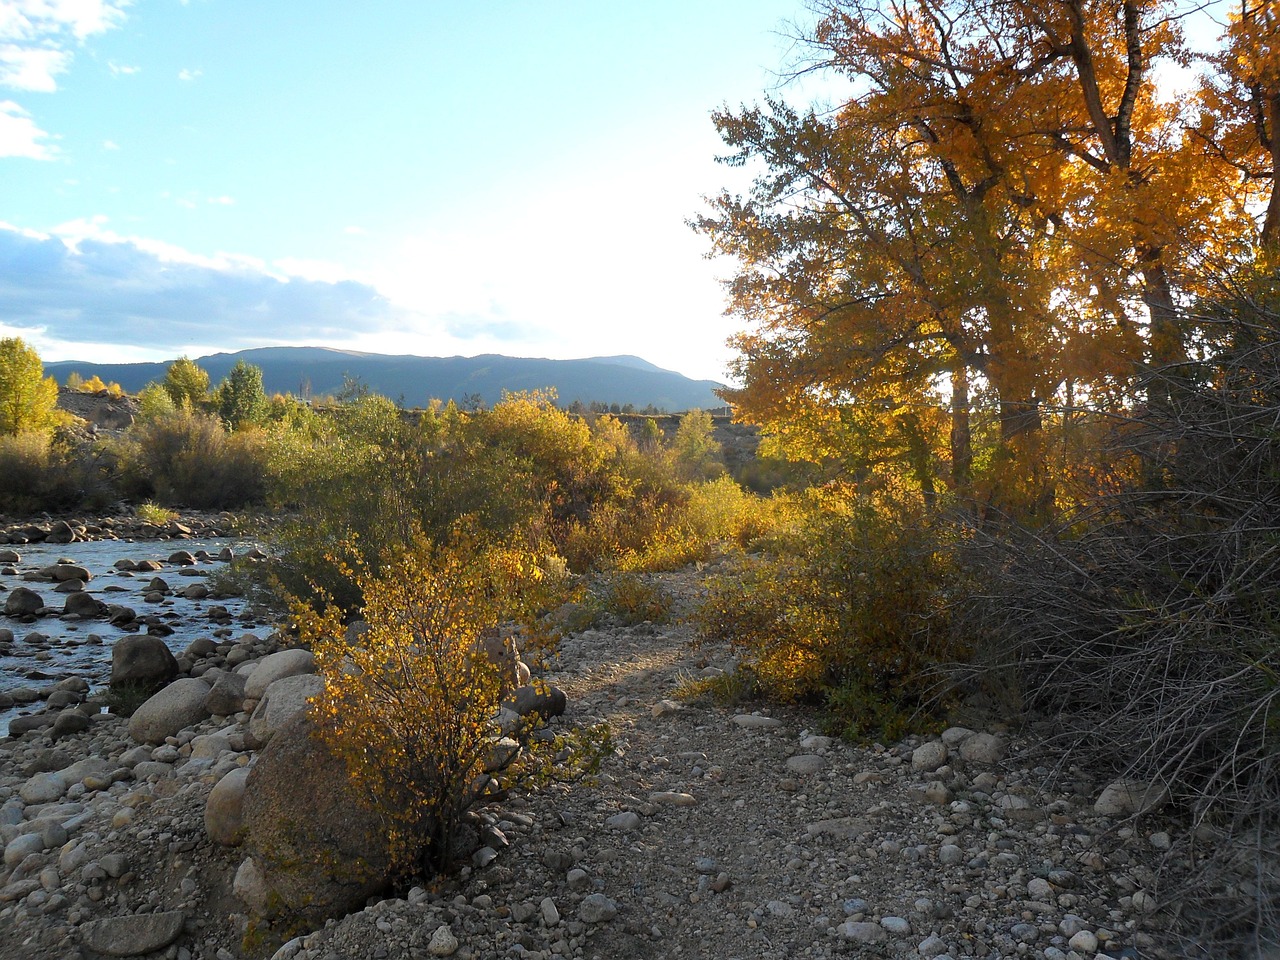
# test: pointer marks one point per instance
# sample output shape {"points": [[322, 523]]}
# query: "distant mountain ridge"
{"points": [[415, 381]]}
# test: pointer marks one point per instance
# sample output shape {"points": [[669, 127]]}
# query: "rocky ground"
{"points": [[713, 831]]}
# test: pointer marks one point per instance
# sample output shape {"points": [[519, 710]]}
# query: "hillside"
{"points": [[413, 381]]}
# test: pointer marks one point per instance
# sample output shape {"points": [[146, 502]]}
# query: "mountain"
{"points": [[413, 381]]}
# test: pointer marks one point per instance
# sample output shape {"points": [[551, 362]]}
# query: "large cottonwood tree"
{"points": [[1004, 207]]}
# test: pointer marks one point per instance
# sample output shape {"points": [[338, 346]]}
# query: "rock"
{"points": [[10, 556], [21, 847], [443, 943], [69, 722], [224, 810], [671, 798], [1123, 798], [179, 705], [22, 602], [897, 926], [1085, 942], [43, 788], [986, 748], [83, 604], [142, 661], [1039, 889], [550, 913], [751, 721], [540, 698], [931, 946], [284, 699], [133, 935], [597, 908], [226, 696], [928, 757], [70, 586], [196, 591], [182, 558], [286, 663], [806, 764], [61, 532], [951, 855], [66, 571], [861, 931], [626, 821], [319, 851]]}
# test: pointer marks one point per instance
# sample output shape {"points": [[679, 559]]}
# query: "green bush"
{"points": [[850, 610], [188, 459], [67, 471]]}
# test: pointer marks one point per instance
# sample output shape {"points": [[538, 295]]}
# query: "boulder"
{"points": [[61, 532], [22, 602], [540, 698], [134, 934], [282, 700], [142, 661], [224, 810], [317, 851], [1123, 798], [66, 571], [83, 604], [179, 705], [286, 663], [226, 696], [985, 748]]}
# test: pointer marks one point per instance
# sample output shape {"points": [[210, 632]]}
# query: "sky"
{"points": [[432, 177]]}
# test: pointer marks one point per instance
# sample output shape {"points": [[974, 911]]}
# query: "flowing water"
{"points": [[53, 648]]}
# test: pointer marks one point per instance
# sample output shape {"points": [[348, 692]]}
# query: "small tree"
{"points": [[240, 398], [187, 384], [75, 382], [28, 399], [695, 448]]}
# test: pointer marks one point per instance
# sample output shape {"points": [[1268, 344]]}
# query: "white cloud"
{"points": [[186, 76], [32, 68], [110, 145], [122, 69], [37, 37], [223, 201], [355, 231], [20, 136]]}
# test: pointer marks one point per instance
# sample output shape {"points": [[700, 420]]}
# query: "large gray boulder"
{"points": [[227, 694], [22, 601], [142, 661], [83, 604], [286, 663], [316, 851], [134, 934], [179, 705], [224, 810], [66, 571], [282, 700]]}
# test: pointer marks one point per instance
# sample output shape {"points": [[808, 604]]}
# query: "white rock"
{"points": [[898, 926], [929, 756], [443, 942], [751, 721], [672, 798], [1039, 889], [861, 931], [1124, 797], [1084, 942], [550, 913], [806, 764], [285, 663], [627, 820], [983, 748]]}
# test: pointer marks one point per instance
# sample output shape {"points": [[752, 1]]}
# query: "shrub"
{"points": [[189, 459], [410, 704], [64, 472], [849, 610]]}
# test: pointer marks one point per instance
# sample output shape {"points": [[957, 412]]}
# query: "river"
{"points": [[53, 648]]}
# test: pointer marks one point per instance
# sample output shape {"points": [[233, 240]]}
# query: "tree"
{"points": [[694, 448], [28, 399], [187, 384], [241, 400], [1003, 214]]}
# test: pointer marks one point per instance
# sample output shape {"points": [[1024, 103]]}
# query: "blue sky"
{"points": [[398, 176]]}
